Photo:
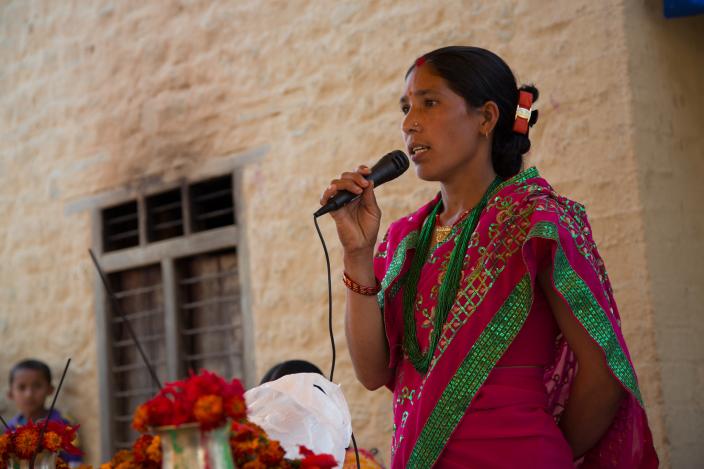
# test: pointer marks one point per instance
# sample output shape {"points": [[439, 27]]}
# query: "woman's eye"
{"points": [[430, 102], [405, 108]]}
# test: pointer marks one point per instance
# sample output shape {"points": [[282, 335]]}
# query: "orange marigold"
{"points": [[236, 408], [52, 441], [208, 411], [256, 464], [126, 465], [272, 454], [141, 418], [154, 450], [61, 464], [5, 443], [244, 449], [26, 440]]}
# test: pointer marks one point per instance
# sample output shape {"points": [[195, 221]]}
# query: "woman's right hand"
{"points": [[358, 221]]}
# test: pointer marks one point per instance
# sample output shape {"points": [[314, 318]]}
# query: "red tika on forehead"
{"points": [[420, 61]]}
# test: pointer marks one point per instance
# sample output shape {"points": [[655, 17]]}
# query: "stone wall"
{"points": [[97, 96], [666, 67]]}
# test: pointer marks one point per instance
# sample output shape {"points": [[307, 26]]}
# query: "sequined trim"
{"points": [[474, 370], [408, 242], [519, 178], [587, 310]]}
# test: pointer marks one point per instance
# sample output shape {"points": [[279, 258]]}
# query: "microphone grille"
{"points": [[400, 160]]}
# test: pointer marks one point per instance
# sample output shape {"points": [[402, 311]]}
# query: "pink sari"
{"points": [[469, 410]]}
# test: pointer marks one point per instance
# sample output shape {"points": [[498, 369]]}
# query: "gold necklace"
{"points": [[442, 232]]}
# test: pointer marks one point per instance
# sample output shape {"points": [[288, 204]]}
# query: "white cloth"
{"points": [[302, 409]]}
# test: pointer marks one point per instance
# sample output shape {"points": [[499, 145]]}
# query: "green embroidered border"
{"points": [[587, 310], [519, 178], [399, 257], [474, 370]]}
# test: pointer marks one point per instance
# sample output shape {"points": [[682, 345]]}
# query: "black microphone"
{"points": [[389, 167]]}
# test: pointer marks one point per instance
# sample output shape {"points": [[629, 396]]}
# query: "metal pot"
{"points": [[188, 447]]}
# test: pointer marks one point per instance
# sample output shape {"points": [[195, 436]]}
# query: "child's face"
{"points": [[29, 390]]}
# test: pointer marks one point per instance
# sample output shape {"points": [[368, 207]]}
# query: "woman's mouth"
{"points": [[417, 150]]}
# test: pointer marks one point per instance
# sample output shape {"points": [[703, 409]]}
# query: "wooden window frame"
{"points": [[165, 253]]}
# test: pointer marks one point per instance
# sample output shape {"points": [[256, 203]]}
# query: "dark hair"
{"points": [[289, 367], [34, 365], [479, 75]]}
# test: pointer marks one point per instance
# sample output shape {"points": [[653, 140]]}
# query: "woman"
{"points": [[488, 311]]}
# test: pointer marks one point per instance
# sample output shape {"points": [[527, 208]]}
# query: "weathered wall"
{"points": [[100, 95], [666, 69]]}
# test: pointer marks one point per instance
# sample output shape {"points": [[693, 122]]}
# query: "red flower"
{"points": [[26, 440], [67, 433], [235, 408], [139, 448], [208, 411], [205, 398], [161, 411], [140, 420], [316, 461], [52, 442], [5, 446]]}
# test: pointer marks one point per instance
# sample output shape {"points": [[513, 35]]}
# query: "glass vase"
{"points": [[188, 447], [45, 460]]}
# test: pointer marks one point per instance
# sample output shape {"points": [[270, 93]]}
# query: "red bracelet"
{"points": [[357, 288]]}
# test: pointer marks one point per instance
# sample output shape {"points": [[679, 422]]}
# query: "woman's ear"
{"points": [[489, 115]]}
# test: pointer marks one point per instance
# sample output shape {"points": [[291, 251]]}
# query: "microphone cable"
{"points": [[332, 335]]}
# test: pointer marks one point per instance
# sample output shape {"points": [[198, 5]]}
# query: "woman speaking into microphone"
{"points": [[487, 312]]}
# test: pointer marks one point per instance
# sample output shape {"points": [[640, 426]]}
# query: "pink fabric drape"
{"points": [[468, 408]]}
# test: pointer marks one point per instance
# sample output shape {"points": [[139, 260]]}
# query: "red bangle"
{"points": [[357, 288]]}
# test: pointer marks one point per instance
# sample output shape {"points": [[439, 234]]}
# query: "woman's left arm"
{"points": [[596, 394]]}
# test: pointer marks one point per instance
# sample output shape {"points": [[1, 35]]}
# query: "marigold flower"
{"points": [[139, 448], [154, 450], [126, 465], [256, 464], [140, 420], [26, 441], [61, 464], [52, 441], [208, 411], [235, 408], [5, 445], [316, 461]]}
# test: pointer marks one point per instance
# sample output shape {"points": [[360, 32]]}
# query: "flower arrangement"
{"points": [[23, 442], [145, 454], [252, 449], [205, 398], [208, 400]]}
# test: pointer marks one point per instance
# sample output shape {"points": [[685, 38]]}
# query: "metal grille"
{"points": [[211, 320], [120, 226], [141, 297], [212, 205], [164, 215]]}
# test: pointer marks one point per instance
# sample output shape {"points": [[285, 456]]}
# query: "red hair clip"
{"points": [[523, 111], [420, 61]]}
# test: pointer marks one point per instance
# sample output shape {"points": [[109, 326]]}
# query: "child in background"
{"points": [[30, 385]]}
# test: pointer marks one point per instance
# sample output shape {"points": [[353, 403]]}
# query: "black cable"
{"points": [[327, 264], [118, 309], [332, 335], [356, 452]]}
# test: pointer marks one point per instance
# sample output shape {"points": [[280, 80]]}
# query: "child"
{"points": [[30, 385]]}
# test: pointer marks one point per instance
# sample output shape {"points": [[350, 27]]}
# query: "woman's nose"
{"points": [[410, 124]]}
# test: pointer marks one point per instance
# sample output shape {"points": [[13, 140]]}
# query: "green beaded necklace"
{"points": [[448, 289]]}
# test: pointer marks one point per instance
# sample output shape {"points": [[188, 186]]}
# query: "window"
{"points": [[173, 262]]}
